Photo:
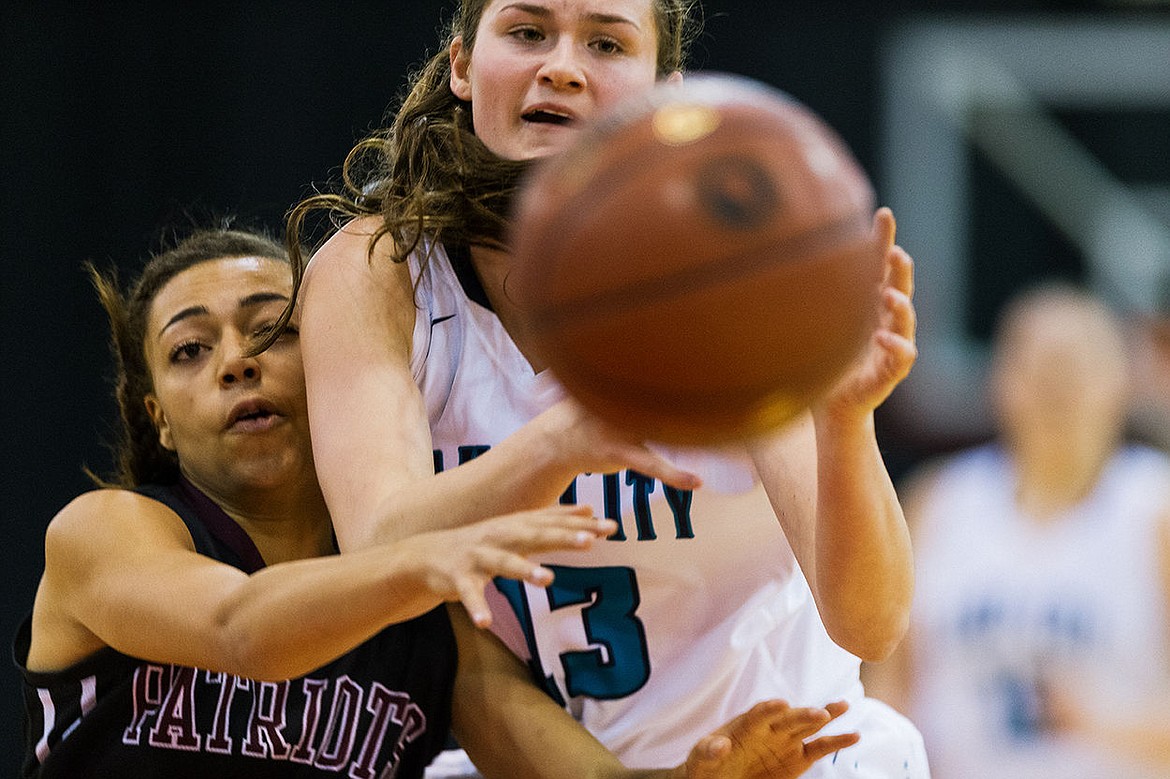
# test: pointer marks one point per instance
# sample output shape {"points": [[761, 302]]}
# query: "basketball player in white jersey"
{"points": [[770, 581], [1039, 645]]}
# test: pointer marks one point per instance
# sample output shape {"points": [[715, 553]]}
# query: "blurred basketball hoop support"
{"points": [[952, 83]]}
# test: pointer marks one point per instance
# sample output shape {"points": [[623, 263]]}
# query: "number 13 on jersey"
{"points": [[583, 633]]}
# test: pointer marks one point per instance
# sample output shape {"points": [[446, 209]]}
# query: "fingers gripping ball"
{"points": [[699, 264]]}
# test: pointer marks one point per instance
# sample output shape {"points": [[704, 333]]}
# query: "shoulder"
{"points": [[1145, 462], [357, 250], [945, 474], [1136, 483], [352, 284], [1140, 478], [107, 502], [90, 507], [94, 519], [95, 536]]}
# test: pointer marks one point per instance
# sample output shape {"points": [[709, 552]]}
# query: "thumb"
{"points": [[707, 757], [714, 748]]}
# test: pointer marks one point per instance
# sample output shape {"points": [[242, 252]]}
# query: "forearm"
{"points": [[285, 620], [531, 468], [509, 727], [307, 612], [524, 471], [864, 570], [508, 478]]}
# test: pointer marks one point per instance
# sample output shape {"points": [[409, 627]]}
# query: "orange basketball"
{"points": [[700, 264]]}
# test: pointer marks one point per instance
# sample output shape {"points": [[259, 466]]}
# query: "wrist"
{"points": [[842, 421], [542, 453], [530, 468]]}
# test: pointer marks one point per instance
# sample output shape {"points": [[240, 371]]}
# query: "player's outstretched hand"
{"points": [[772, 740], [457, 564], [892, 349], [587, 444]]}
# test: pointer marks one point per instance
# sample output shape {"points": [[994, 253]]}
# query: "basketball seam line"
{"points": [[682, 282]]}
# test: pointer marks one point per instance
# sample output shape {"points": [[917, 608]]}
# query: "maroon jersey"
{"points": [[381, 710]]}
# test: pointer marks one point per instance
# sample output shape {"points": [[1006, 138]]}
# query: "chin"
{"points": [[546, 146], [270, 473], [543, 151]]}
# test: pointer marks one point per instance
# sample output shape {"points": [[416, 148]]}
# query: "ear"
{"points": [[460, 69], [160, 422], [675, 77]]}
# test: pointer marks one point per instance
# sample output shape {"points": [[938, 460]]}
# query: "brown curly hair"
{"points": [[138, 456], [428, 174]]}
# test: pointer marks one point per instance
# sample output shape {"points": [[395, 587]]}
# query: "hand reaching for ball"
{"points": [[892, 349], [583, 442]]}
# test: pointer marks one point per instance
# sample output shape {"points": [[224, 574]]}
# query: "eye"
{"points": [[187, 351], [527, 34], [607, 45], [265, 329]]}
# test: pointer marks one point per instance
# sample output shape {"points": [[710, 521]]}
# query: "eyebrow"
{"points": [[249, 301], [596, 17]]}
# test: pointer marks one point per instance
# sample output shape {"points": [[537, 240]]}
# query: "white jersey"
{"points": [[694, 612], [1006, 606]]}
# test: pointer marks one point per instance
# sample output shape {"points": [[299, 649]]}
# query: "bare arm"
{"points": [[892, 680], [512, 730], [121, 571], [371, 436], [831, 490]]}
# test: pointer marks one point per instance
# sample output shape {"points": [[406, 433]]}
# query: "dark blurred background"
{"points": [[119, 120]]}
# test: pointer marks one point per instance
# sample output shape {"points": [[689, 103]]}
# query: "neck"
{"points": [[1053, 481], [285, 522]]}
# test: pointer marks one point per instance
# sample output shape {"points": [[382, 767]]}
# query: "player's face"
{"points": [[234, 421], [1063, 381], [541, 67]]}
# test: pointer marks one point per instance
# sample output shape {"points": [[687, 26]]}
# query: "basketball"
{"points": [[699, 265]]}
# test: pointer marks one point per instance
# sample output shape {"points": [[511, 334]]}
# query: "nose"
{"points": [[562, 68], [235, 367]]}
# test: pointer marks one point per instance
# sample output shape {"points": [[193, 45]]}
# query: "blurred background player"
{"points": [[1039, 640]]}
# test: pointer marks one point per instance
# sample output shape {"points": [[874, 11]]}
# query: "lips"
{"points": [[549, 115], [252, 415]]}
